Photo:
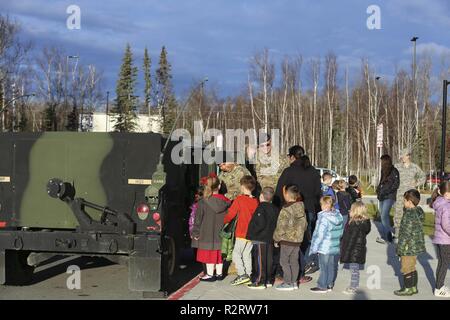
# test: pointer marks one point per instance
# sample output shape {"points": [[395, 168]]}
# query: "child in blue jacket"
{"points": [[326, 243], [328, 188]]}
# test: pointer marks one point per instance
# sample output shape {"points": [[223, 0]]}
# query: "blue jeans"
{"points": [[345, 217], [327, 270], [312, 217], [385, 209]]}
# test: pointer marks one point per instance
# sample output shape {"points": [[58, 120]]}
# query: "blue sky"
{"points": [[216, 38]]}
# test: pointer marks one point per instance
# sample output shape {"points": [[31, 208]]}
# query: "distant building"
{"points": [[101, 122]]}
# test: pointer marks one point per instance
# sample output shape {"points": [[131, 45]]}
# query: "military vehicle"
{"points": [[114, 195]]}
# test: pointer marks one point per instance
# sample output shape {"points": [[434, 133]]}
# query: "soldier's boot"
{"points": [[407, 289]]}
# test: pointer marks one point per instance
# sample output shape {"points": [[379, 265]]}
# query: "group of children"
{"points": [[340, 234]]}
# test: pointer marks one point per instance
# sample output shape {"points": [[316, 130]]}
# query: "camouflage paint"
{"points": [[73, 157]]}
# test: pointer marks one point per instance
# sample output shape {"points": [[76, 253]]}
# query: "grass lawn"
{"points": [[370, 190], [428, 226]]}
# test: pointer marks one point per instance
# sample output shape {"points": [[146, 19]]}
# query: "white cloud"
{"points": [[432, 48]]}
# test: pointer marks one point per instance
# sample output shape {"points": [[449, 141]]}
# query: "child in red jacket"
{"points": [[243, 207]]}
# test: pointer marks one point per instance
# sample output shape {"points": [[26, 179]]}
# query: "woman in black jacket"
{"points": [[354, 243], [307, 179], [386, 194]]}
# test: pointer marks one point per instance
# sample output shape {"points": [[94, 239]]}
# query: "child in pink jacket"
{"points": [[441, 205]]}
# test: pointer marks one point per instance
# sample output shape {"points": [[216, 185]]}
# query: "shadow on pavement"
{"points": [[360, 295], [82, 262], [424, 260], [379, 227], [181, 276], [58, 264], [393, 261]]}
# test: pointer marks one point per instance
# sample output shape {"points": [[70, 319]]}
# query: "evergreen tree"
{"points": [[72, 120], [165, 99], [49, 119], [126, 102], [147, 79], [23, 119]]}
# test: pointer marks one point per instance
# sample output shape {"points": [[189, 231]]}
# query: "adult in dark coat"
{"points": [[387, 194], [307, 179]]}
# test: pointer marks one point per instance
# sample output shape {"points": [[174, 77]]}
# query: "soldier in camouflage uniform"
{"points": [[230, 176], [268, 169], [411, 176]]}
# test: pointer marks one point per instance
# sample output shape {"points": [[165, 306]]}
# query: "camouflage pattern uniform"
{"points": [[268, 172], [411, 238], [410, 178], [232, 180]]}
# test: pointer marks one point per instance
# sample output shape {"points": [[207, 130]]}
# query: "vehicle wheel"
{"points": [[18, 272], [169, 255]]}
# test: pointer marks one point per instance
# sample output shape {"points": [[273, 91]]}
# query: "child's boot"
{"points": [[407, 290], [415, 279]]}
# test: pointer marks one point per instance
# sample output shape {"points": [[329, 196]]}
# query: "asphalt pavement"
{"points": [[378, 280], [101, 279]]}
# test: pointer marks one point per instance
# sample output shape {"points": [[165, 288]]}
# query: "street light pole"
{"points": [[107, 109], [3, 109], [414, 40], [16, 98], [379, 147], [13, 107], [66, 74], [446, 83]]}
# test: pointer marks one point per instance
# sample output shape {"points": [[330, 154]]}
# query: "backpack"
{"points": [[227, 235]]}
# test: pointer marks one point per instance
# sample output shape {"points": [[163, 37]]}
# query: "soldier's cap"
{"points": [[263, 137], [404, 152]]}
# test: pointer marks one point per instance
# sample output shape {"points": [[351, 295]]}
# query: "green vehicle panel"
{"points": [[112, 169]]}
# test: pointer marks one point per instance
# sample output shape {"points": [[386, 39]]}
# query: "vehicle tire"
{"points": [[18, 272], [169, 257]]}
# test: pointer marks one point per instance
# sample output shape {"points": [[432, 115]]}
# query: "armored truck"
{"points": [[114, 195]]}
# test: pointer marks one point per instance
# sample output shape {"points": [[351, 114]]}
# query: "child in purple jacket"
{"points": [[194, 206], [441, 205]]}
